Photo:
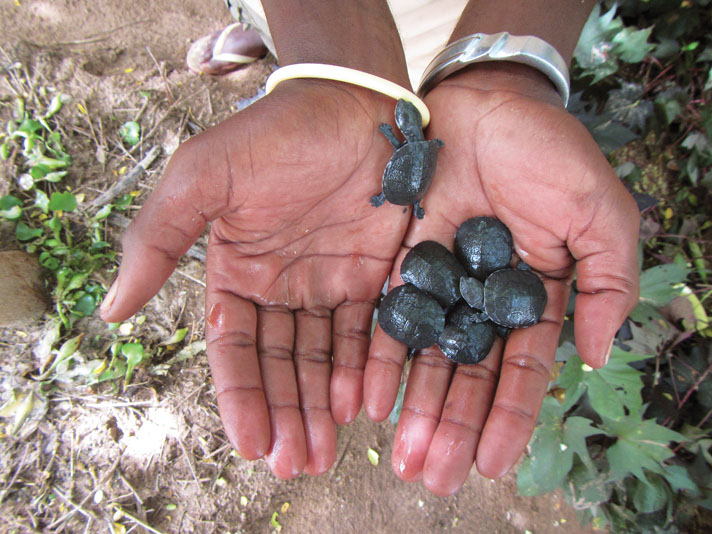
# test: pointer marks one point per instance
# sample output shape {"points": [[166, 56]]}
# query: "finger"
{"points": [[312, 360], [452, 449], [524, 377], [425, 394], [607, 275], [384, 366], [352, 334], [382, 375], [169, 222], [232, 354], [275, 343]]}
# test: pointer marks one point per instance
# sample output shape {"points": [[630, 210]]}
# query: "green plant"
{"points": [[630, 443], [70, 240]]}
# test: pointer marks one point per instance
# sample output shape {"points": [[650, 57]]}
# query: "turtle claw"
{"points": [[418, 211], [378, 200]]}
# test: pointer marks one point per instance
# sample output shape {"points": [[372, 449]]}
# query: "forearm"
{"points": [[558, 22], [357, 34]]}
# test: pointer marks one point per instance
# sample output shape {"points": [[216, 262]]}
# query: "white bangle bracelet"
{"points": [[352, 76], [502, 46]]}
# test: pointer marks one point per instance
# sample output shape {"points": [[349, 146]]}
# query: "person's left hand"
{"points": [[511, 151]]}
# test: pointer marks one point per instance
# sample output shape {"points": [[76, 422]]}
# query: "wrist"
{"points": [[357, 35], [505, 77]]}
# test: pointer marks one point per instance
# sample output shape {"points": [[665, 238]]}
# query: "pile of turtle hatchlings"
{"points": [[462, 301]]}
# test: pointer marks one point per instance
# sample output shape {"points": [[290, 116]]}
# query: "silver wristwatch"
{"points": [[502, 46]]}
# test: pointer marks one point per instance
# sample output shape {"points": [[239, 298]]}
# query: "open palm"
{"points": [[296, 258], [521, 158]]}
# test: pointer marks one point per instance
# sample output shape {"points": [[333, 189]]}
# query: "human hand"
{"points": [[511, 151], [296, 258]]}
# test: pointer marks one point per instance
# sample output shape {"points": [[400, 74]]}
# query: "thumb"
{"points": [[194, 190], [607, 275]]}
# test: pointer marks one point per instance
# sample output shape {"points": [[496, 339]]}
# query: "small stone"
{"points": [[22, 299]]}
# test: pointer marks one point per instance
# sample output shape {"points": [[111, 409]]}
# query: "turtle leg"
{"points": [[411, 353], [378, 200], [418, 210], [386, 130]]}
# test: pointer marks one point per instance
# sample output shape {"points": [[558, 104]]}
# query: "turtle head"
{"points": [[409, 121]]}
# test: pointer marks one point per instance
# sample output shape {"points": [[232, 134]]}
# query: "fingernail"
{"points": [[608, 353], [110, 296]]}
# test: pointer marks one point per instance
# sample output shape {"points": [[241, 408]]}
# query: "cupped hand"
{"points": [[511, 151], [296, 258]]}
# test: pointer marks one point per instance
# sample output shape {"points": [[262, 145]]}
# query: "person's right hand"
{"points": [[296, 258]]}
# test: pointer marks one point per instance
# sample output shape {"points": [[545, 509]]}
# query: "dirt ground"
{"points": [[153, 457]]}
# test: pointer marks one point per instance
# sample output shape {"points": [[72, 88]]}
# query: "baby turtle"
{"points": [[432, 268], [467, 337], [472, 291], [411, 316], [514, 298], [410, 170], [483, 245]]}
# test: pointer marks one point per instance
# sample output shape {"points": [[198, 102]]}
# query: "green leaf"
{"points": [[576, 430], [587, 489], [55, 105], [642, 444], [63, 202], [615, 387], [25, 233], [632, 45], [549, 459], [103, 213], [134, 354], [650, 496], [130, 132], [84, 306], [572, 380], [656, 283], [42, 200], [679, 478], [4, 151], [176, 338], [373, 456], [10, 207]]}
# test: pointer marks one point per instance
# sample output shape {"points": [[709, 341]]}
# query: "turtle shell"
{"points": [[483, 245], [411, 316], [410, 171], [514, 298], [467, 344], [432, 268]]}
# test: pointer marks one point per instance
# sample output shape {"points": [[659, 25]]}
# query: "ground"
{"points": [[108, 458]]}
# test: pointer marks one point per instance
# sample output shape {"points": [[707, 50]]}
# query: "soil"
{"points": [[107, 458]]}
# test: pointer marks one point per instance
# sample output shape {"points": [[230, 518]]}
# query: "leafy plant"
{"points": [[630, 443]]}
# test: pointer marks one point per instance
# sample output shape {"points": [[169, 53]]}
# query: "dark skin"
{"points": [[297, 255], [511, 151]]}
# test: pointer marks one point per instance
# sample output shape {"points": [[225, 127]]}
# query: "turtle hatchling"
{"points": [[514, 298], [411, 316], [410, 170]]}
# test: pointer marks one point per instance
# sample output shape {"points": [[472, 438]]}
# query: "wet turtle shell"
{"points": [[410, 170], [514, 298], [432, 268], [411, 316], [468, 336], [472, 290], [483, 245]]}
